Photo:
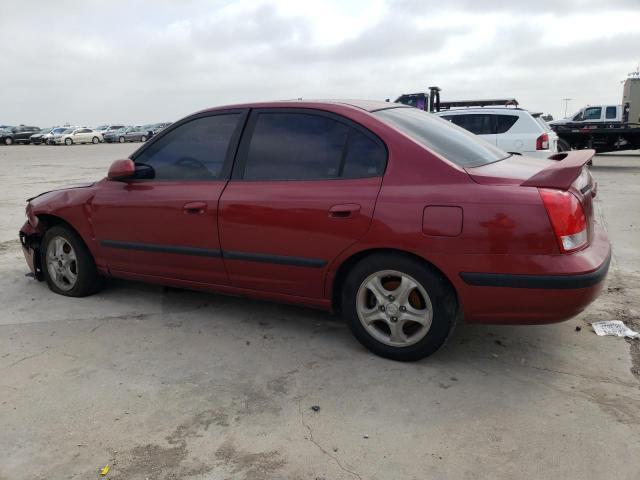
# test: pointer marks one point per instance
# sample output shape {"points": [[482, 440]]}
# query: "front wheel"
{"points": [[398, 307], [68, 141], [95, 140], [143, 138], [68, 266], [121, 139], [8, 141]]}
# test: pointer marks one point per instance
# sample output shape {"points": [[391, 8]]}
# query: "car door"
{"points": [[163, 223], [303, 190], [592, 115]]}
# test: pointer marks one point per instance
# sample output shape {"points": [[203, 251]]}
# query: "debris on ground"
{"points": [[613, 327], [578, 328], [365, 436], [315, 408], [104, 470]]}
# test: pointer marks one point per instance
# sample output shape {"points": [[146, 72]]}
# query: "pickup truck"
{"points": [[593, 114]]}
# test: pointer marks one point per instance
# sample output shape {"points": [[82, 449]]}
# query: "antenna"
{"points": [[566, 104]]}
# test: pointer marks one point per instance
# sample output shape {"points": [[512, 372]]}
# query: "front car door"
{"points": [[303, 190], [164, 222]]}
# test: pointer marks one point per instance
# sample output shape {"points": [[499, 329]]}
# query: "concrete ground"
{"points": [[160, 383]]}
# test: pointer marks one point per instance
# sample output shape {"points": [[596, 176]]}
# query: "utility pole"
{"points": [[566, 104]]}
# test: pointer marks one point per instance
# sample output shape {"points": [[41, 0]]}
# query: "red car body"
{"points": [[486, 228]]}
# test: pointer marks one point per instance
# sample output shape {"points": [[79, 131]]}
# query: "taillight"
{"points": [[567, 218], [542, 142]]}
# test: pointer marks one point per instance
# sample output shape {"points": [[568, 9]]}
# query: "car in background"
{"points": [[154, 128], [112, 136], [77, 135], [513, 130], [398, 219], [20, 134], [48, 138], [128, 134], [39, 137], [105, 129]]}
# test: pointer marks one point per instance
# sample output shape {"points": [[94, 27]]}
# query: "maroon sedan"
{"points": [[398, 219]]}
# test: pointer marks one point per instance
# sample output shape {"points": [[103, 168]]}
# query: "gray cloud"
{"points": [[92, 62]]}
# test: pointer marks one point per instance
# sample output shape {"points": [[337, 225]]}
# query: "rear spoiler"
{"points": [[561, 174]]}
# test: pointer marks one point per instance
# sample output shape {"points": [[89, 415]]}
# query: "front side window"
{"points": [[452, 142], [195, 150], [593, 113], [611, 112]]}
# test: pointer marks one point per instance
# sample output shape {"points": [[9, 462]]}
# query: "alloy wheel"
{"points": [[62, 263]]}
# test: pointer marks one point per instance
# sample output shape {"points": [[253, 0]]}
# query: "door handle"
{"points": [[346, 210], [193, 208]]}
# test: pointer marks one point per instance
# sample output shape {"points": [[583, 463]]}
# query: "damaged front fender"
{"points": [[31, 239]]}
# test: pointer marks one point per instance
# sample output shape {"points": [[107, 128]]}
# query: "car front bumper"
{"points": [[30, 240]]}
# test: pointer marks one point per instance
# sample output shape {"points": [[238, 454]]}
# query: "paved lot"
{"points": [[167, 384]]}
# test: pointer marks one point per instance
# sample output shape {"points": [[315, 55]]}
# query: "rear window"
{"points": [[611, 112], [452, 142], [505, 122]]}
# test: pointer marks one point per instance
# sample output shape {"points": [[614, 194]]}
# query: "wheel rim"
{"points": [[8, 141], [62, 264], [121, 139], [143, 139], [68, 141], [394, 308], [95, 140]]}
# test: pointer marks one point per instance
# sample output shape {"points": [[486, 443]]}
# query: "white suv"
{"points": [[511, 129]]}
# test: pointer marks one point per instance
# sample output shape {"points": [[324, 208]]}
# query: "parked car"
{"points": [[129, 134], [512, 129], [402, 221], [105, 129], [114, 135], [39, 137], [155, 128], [19, 134], [48, 138], [77, 135]]}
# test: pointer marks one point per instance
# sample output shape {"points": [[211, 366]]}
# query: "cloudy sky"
{"points": [[96, 62]]}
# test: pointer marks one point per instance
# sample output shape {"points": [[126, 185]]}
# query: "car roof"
{"points": [[367, 105], [502, 110]]}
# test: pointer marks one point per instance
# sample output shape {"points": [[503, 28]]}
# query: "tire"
{"points": [[121, 140], [563, 145], [68, 141], [95, 140], [60, 279], [8, 141], [143, 138], [437, 311]]}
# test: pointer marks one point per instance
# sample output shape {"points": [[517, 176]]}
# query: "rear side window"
{"points": [[505, 122], [611, 112], [193, 151], [479, 124], [452, 142], [304, 146]]}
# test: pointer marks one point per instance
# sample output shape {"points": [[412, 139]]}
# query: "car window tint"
{"points": [[193, 151], [479, 124], [611, 112], [364, 156], [592, 113], [452, 142], [505, 122], [295, 146]]}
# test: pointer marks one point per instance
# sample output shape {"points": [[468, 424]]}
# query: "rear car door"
{"points": [[164, 222], [303, 189]]}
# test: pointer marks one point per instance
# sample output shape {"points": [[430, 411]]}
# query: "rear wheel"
{"points": [[143, 138], [68, 141], [8, 141], [68, 266], [95, 140], [398, 307], [121, 139]]}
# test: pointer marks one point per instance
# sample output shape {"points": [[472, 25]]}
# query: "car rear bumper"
{"points": [[561, 287]]}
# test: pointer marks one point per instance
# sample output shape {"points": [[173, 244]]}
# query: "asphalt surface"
{"points": [[161, 383]]}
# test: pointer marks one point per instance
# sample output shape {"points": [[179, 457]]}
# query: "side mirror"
{"points": [[121, 169]]}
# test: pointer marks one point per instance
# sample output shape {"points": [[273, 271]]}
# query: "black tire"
{"points": [[563, 145], [8, 141], [68, 142], [441, 295], [88, 280], [121, 139], [95, 140]]}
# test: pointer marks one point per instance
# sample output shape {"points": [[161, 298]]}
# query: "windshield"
{"points": [[452, 142], [58, 130]]}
